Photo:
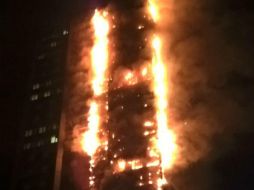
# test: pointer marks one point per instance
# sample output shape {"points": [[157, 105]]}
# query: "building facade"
{"points": [[39, 149]]}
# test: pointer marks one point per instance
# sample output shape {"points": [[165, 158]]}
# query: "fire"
{"points": [[121, 165], [148, 124], [153, 163], [99, 60], [162, 141], [100, 51], [161, 182], [166, 139], [99, 64], [135, 164], [90, 139], [128, 76], [144, 71], [153, 9]]}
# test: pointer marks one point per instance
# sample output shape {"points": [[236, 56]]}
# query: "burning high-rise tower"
{"points": [[125, 131]]}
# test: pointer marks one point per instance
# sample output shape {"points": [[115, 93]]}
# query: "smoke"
{"points": [[77, 89], [211, 82], [211, 85]]}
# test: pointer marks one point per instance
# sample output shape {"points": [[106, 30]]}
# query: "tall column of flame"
{"points": [[165, 144], [91, 141]]}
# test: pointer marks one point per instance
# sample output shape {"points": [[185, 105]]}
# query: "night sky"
{"points": [[212, 42]]}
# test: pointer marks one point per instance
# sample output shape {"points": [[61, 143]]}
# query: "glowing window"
{"points": [[53, 44], [28, 133], [65, 32], [42, 130], [36, 86], [53, 139], [34, 97], [47, 94]]}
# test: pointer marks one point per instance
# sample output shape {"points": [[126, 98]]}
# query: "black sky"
{"points": [[229, 164], [14, 71]]}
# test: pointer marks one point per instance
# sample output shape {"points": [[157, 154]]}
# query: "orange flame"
{"points": [[144, 71], [121, 165], [166, 139], [90, 141], [148, 124], [153, 9], [100, 51], [99, 63]]}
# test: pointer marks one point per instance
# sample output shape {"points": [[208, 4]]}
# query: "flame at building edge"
{"points": [[92, 140], [166, 138]]}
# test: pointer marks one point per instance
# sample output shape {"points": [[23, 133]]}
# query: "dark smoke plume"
{"points": [[212, 85]]}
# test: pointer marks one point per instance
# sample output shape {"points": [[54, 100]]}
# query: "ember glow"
{"points": [[132, 77], [121, 165], [148, 124], [136, 164], [144, 71]]}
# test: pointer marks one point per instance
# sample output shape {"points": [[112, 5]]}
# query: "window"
{"points": [[47, 94], [36, 86], [27, 146], [53, 140], [58, 90], [65, 32], [40, 143], [42, 130], [28, 133], [34, 97], [41, 57], [48, 83], [53, 44], [54, 127]]}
